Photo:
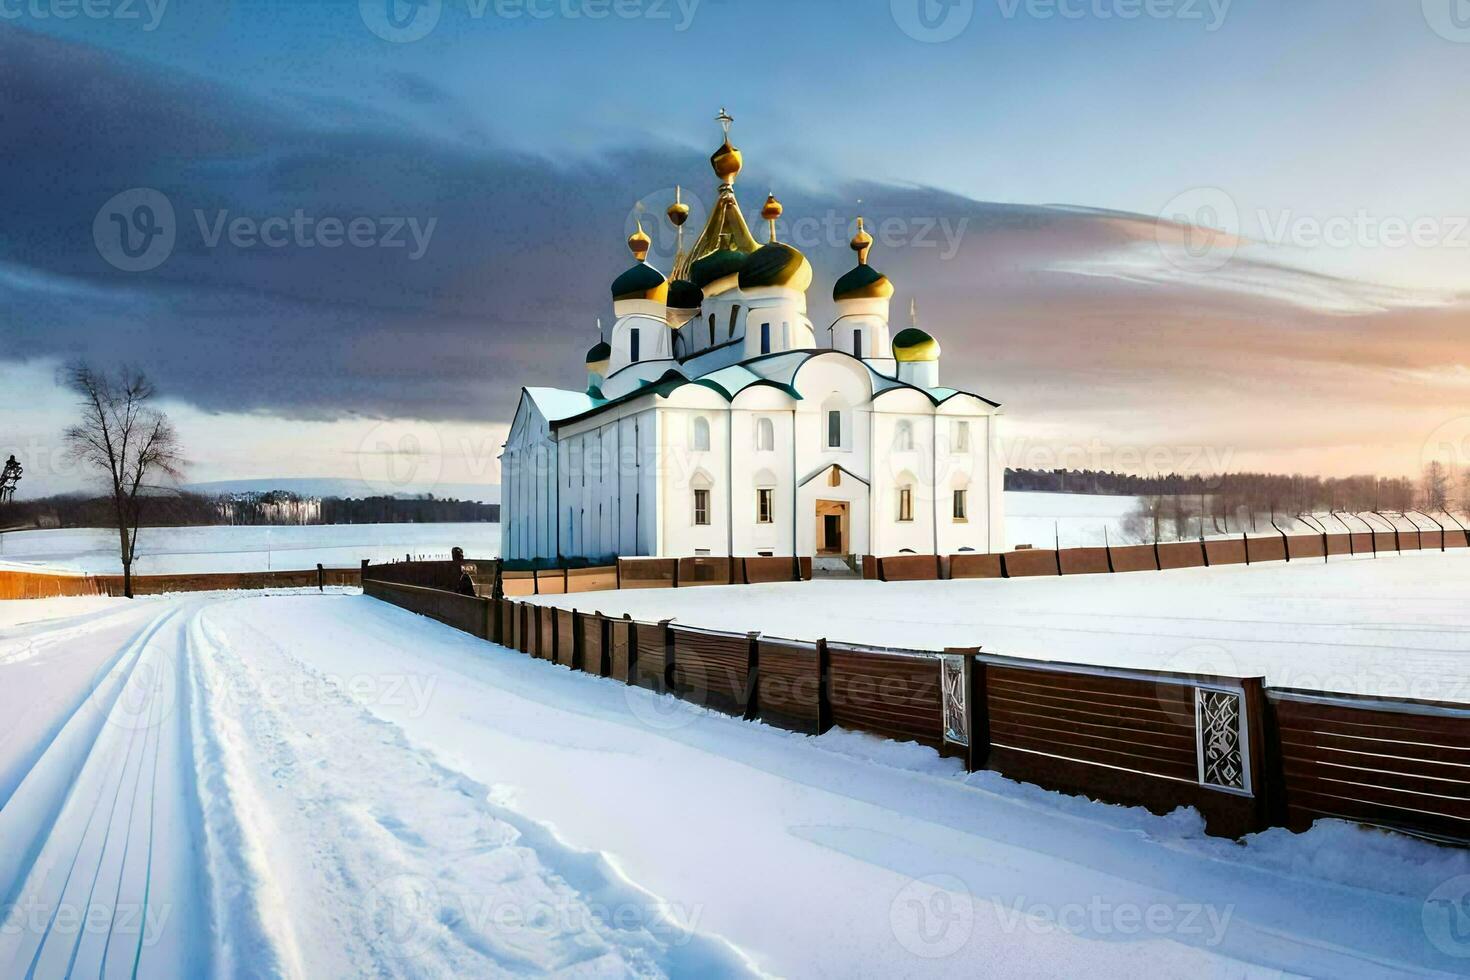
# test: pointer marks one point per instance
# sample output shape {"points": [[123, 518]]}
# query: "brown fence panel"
{"points": [[1455, 538], [759, 570], [1339, 544], [1029, 562], [518, 584], [1267, 548], [32, 585], [566, 638], [1181, 554], [620, 649], [1400, 765], [1304, 546], [600, 579], [715, 669], [429, 574], [1135, 558], [870, 567], [1385, 542], [1362, 543], [972, 565], [647, 573], [706, 571], [653, 662], [526, 628], [1122, 739], [1431, 540], [546, 632], [1410, 541], [789, 685], [593, 627], [908, 568], [1083, 561], [551, 581], [1225, 551], [887, 693], [462, 612], [510, 617], [805, 561]]}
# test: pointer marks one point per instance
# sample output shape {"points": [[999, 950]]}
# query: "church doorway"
{"points": [[832, 529]]}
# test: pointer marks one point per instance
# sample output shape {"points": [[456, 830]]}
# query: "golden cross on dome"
{"points": [[725, 119]]}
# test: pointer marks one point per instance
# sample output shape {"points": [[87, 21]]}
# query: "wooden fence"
{"points": [[1162, 556], [1246, 756], [36, 585]]}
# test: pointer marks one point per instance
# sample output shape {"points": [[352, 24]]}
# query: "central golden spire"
{"points": [[639, 242], [727, 160]]}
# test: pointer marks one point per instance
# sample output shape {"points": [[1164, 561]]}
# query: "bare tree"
{"points": [[126, 440], [1436, 486]]}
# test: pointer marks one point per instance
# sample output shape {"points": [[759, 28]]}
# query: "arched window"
{"points": [[633, 344], [699, 435], [903, 436], [904, 497], [734, 312], [711, 329], [765, 435], [857, 343]]}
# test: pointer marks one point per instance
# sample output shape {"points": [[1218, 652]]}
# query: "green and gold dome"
{"points": [[862, 281], [775, 263], [913, 344], [722, 262], [642, 281]]}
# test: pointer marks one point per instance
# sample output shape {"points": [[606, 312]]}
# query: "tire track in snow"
{"points": [[91, 899], [386, 863]]}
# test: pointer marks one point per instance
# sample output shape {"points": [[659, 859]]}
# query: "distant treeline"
{"points": [[1259, 492], [275, 508]]}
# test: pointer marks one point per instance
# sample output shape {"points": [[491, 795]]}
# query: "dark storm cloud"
{"points": [[1054, 310]]}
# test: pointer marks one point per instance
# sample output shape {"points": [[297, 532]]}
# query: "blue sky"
{"points": [[526, 139]]}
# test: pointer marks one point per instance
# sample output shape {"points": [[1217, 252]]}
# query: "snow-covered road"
{"points": [[212, 806], [306, 785]]}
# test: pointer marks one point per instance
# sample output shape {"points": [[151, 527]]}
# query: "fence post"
{"points": [[824, 689], [321, 578], [752, 676], [1267, 778]]}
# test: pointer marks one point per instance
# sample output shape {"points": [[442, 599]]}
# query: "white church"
{"points": [[715, 423]]}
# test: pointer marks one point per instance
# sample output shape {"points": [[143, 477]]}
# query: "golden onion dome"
{"points": [[639, 242], [913, 344], [776, 264], [727, 162], [861, 243], [678, 212]]}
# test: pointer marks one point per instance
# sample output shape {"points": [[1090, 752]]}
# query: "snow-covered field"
{"points": [[184, 550], [1398, 625], [324, 785], [1037, 519]]}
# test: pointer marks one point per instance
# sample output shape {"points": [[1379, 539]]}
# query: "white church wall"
{"points": [[694, 428], [764, 465]]}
